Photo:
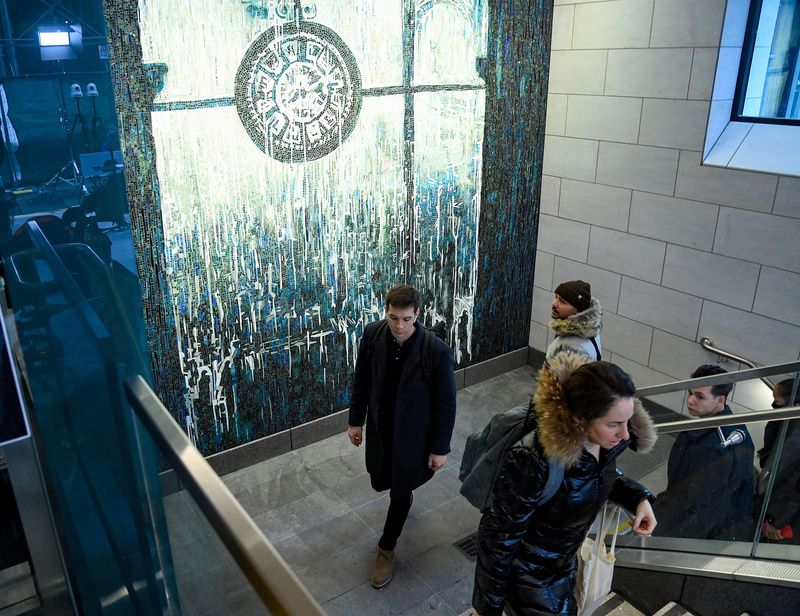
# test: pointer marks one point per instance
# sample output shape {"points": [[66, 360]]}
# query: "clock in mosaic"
{"points": [[298, 91]]}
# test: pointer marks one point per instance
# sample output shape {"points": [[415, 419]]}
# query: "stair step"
{"points": [[616, 605], [673, 609]]}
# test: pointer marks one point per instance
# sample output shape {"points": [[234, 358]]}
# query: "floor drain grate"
{"points": [[469, 546]]}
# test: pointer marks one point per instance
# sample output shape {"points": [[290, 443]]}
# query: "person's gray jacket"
{"points": [[576, 332]]}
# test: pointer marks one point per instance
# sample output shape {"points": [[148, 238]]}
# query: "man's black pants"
{"points": [[399, 506]]}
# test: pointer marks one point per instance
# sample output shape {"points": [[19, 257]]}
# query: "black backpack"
{"points": [[485, 450], [428, 340]]}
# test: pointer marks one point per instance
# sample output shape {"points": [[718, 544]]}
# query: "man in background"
{"points": [[405, 389], [576, 320], [709, 491]]}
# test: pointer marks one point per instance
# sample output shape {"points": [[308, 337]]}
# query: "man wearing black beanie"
{"points": [[576, 320]]}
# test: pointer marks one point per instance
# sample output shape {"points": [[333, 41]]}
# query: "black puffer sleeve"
{"points": [[502, 529], [629, 493]]}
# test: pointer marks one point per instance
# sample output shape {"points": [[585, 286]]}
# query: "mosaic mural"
{"points": [[307, 155]]}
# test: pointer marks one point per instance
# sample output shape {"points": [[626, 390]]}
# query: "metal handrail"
{"points": [[708, 344], [718, 421], [273, 580], [720, 379]]}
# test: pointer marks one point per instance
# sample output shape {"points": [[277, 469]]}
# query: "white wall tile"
{"points": [[662, 308], [679, 357], [718, 151], [551, 191], [610, 118], [543, 276], [787, 199], [570, 158], [687, 23], [540, 308], [678, 221], [701, 82], [637, 166], [751, 395], [537, 338], [753, 191], [596, 204], [727, 72], [735, 23], [626, 337], [630, 255], [757, 338], [556, 114], [563, 237], [703, 274], [674, 124], [656, 73], [644, 377], [778, 295], [718, 120], [617, 23], [577, 72], [769, 147], [563, 17], [760, 238], [605, 284]]}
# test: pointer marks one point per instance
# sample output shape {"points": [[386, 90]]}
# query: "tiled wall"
{"points": [[674, 251]]}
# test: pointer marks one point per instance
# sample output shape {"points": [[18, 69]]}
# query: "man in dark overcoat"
{"points": [[404, 388]]}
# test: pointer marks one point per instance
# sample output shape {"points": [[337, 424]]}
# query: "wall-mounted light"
{"points": [[60, 41]]}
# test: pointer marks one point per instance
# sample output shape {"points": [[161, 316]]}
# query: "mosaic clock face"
{"points": [[298, 91]]}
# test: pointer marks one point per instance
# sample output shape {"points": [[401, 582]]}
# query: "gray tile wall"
{"points": [[674, 251]]}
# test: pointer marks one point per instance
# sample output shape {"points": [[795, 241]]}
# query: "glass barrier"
{"points": [[77, 344], [729, 490], [267, 580], [208, 580]]}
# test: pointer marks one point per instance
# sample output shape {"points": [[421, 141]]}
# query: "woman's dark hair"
{"points": [[591, 390], [403, 296], [785, 390]]}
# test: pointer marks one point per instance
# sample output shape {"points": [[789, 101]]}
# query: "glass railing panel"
{"points": [[210, 533], [77, 344], [208, 580], [709, 497]]}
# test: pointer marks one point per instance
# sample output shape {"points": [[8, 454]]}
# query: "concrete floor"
{"points": [[317, 507]]}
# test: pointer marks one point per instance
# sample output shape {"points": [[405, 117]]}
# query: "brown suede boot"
{"points": [[383, 569]]}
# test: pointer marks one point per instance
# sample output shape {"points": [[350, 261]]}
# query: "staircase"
{"points": [[616, 605], [17, 592]]}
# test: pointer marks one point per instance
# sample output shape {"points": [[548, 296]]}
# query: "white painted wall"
{"points": [[674, 251]]}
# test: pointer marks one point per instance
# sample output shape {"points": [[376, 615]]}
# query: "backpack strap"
{"points": [[596, 348], [555, 475], [426, 353]]}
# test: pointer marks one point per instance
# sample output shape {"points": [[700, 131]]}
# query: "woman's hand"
{"points": [[645, 521]]}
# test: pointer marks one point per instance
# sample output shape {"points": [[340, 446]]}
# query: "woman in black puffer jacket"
{"points": [[586, 416]]}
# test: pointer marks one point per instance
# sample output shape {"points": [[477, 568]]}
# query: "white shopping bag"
{"points": [[596, 564]]}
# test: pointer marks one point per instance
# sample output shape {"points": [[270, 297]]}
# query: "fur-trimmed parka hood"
{"points": [[585, 324], [560, 432]]}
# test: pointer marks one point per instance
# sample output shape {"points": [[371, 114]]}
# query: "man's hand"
{"points": [[436, 462], [645, 521], [772, 533], [355, 434]]}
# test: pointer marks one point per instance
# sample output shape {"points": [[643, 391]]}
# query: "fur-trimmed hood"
{"points": [[560, 432], [585, 324]]}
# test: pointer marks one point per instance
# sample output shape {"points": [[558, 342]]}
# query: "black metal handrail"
{"points": [[708, 344], [273, 580]]}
